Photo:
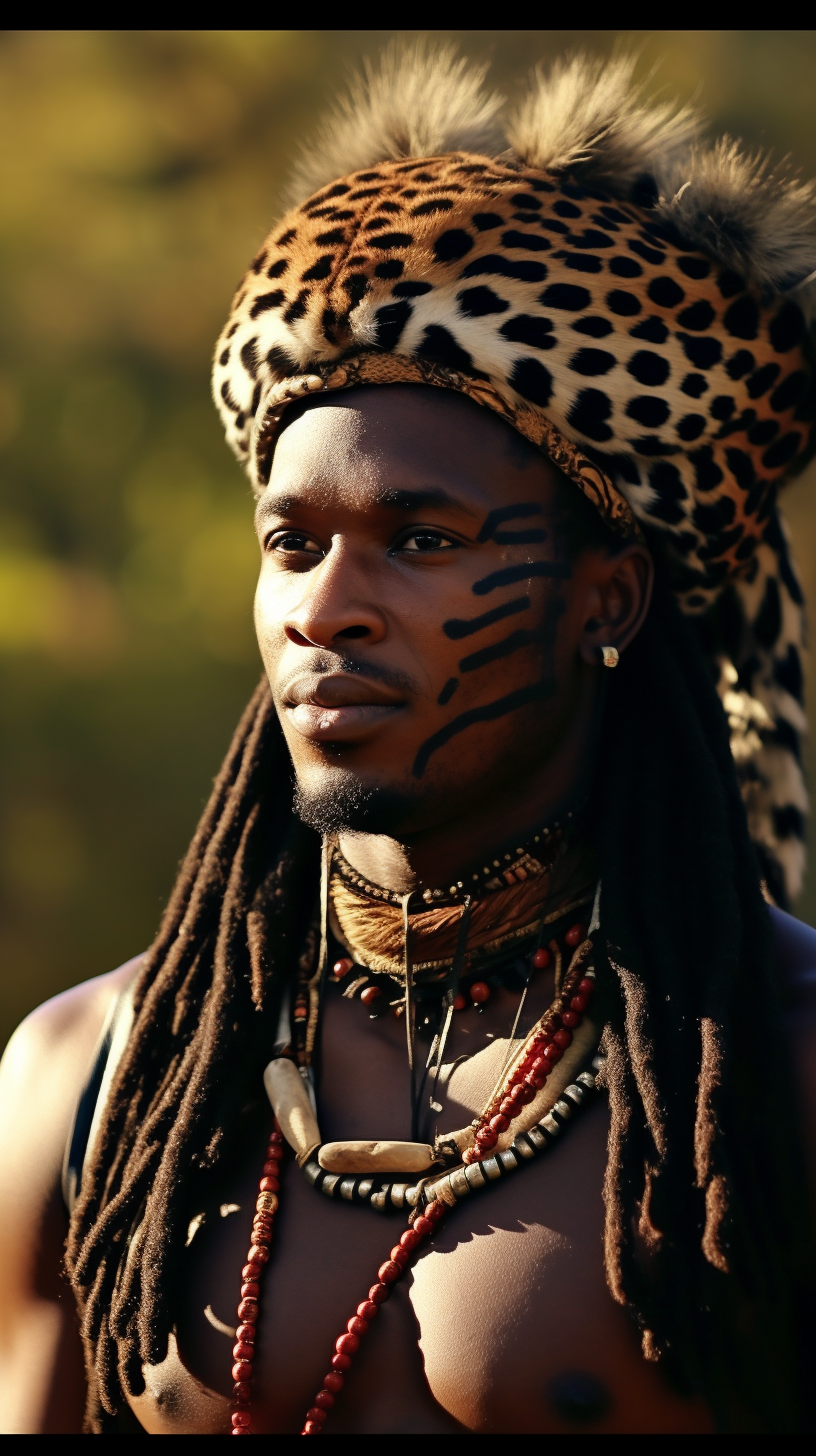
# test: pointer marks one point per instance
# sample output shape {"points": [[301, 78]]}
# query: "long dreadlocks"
{"points": [[702, 1236]]}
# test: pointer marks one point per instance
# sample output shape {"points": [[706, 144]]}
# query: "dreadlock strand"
{"points": [[229, 987], [637, 1022], [706, 1130], [258, 924], [688, 946], [618, 1253], [201, 843], [173, 958]]}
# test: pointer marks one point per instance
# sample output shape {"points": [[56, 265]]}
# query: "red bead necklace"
{"points": [[475, 993], [243, 1351], [526, 1080], [348, 1343], [520, 1088], [543, 1049]]}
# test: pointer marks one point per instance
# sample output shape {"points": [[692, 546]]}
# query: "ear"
{"points": [[617, 601]]}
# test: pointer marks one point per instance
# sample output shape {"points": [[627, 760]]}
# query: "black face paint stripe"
{"points": [[522, 572], [534, 693], [505, 513], [448, 691], [498, 649], [458, 627]]}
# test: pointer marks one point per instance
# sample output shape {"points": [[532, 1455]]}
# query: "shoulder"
{"points": [[795, 950], [41, 1075], [795, 946], [52, 1048]]}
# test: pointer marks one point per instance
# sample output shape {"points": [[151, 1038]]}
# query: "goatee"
{"points": [[340, 803]]}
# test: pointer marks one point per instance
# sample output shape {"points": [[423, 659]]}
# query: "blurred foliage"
{"points": [[139, 171]]}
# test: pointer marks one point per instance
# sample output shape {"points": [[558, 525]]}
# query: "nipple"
{"points": [[578, 1397]]}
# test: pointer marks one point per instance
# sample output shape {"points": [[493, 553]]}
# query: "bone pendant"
{"points": [[291, 1106], [375, 1157]]}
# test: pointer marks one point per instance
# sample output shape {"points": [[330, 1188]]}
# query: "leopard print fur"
{"points": [[685, 390]]}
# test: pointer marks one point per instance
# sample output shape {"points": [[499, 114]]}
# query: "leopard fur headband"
{"points": [[634, 304]]}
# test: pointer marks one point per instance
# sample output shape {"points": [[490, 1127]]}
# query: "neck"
{"points": [[452, 847]]}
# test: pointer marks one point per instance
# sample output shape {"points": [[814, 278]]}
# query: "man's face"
{"points": [[418, 624]]}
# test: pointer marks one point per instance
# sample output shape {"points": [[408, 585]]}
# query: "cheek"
{"points": [[268, 614]]}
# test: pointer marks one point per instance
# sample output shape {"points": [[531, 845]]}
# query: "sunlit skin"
{"points": [[384, 525], [407, 535]]}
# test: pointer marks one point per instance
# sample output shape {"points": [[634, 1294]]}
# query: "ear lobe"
{"points": [[621, 596]]}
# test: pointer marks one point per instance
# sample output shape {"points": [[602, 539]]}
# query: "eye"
{"points": [[424, 539], [293, 543]]}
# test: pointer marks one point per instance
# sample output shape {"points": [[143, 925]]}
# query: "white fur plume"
{"points": [[588, 116], [736, 207], [416, 102], [585, 117]]}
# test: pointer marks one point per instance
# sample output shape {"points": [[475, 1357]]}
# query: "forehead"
{"points": [[411, 436]]}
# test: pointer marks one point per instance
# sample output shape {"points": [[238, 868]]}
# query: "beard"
{"points": [[339, 803]]}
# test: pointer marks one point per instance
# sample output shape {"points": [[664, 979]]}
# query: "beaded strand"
{"points": [[243, 1351], [507, 870], [433, 1201], [420, 1226], [543, 1053]]}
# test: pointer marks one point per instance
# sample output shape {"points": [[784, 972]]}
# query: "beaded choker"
{"points": [[522, 1118], [509, 868], [523, 1093], [374, 932], [541, 1086]]}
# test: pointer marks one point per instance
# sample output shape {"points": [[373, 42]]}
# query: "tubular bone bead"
{"points": [[375, 1157], [459, 1183], [290, 1103], [266, 1202]]}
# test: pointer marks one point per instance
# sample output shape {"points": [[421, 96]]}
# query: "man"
{"points": [[495, 599]]}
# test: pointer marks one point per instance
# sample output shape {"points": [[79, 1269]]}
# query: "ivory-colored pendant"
{"points": [[291, 1106], [376, 1157]]}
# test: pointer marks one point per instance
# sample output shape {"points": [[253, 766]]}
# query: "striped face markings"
{"points": [[522, 572], [457, 628], [491, 530], [542, 635]]}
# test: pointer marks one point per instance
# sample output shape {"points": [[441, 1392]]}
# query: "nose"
{"points": [[337, 605]]}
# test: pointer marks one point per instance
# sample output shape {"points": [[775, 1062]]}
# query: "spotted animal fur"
{"points": [[686, 383]]}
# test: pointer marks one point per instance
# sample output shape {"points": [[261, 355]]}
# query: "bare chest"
{"points": [[504, 1323]]}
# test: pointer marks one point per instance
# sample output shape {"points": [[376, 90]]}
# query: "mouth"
{"points": [[339, 708]]}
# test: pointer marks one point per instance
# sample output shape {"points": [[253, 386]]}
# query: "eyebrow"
{"points": [[392, 498]]}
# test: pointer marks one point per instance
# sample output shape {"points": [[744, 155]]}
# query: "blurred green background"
{"points": [[139, 172]]}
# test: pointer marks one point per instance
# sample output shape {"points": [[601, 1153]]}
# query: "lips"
{"points": [[339, 707]]}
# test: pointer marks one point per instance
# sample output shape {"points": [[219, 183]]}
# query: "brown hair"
{"points": [[703, 1242]]}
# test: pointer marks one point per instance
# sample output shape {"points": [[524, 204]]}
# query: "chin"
{"points": [[337, 801]]}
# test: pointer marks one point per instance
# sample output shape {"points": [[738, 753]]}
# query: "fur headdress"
{"points": [[634, 302]]}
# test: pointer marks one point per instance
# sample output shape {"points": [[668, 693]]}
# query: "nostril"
{"points": [[354, 632], [297, 637]]}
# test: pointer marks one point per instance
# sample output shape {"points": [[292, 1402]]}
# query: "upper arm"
{"points": [[42, 1385]]}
